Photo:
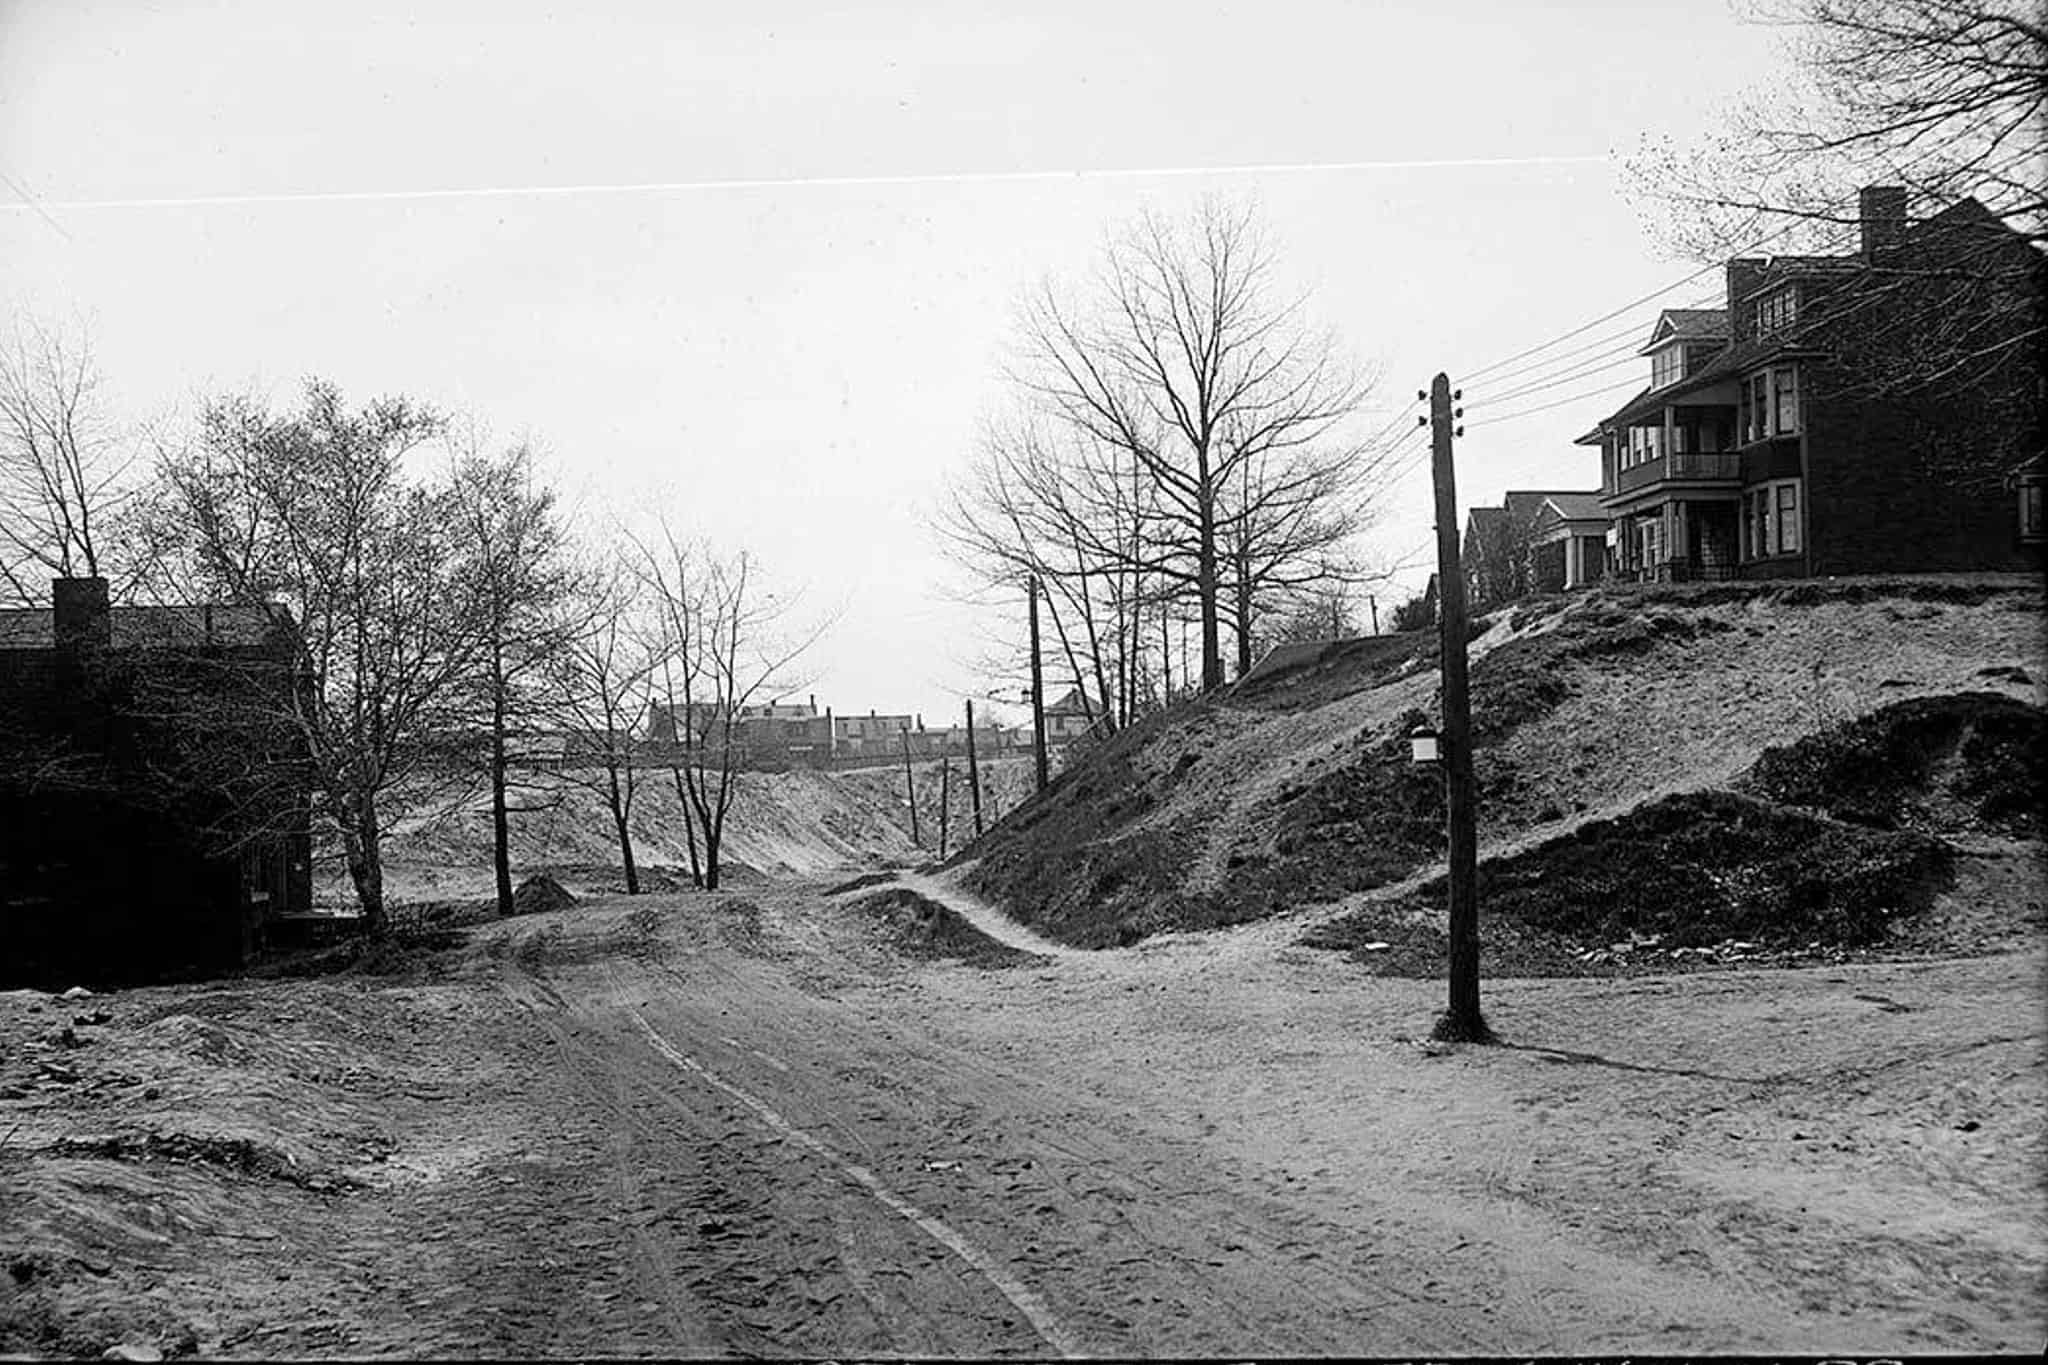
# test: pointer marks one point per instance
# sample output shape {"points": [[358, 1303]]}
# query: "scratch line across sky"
{"points": [[807, 182]]}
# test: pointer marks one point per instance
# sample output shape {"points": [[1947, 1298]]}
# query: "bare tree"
{"points": [[63, 466], [1945, 98], [598, 688], [515, 556], [314, 509], [1289, 534], [1182, 364], [727, 645]]}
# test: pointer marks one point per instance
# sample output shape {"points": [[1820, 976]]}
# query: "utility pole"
{"points": [[910, 790], [1462, 1022], [973, 771], [1037, 691], [945, 799], [1374, 604]]}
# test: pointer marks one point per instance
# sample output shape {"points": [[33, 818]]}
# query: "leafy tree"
{"points": [[314, 509]]}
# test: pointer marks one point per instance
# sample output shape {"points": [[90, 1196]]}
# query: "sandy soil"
{"points": [[690, 1125], [781, 824]]}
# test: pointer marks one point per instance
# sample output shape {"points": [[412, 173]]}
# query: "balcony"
{"points": [[1691, 464]]}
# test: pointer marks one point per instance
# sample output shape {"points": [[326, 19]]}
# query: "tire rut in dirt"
{"points": [[739, 1240]]}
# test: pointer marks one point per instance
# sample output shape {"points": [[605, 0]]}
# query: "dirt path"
{"points": [[691, 1126]]}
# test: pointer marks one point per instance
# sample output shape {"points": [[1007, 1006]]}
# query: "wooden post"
{"points": [[910, 789], [1374, 603], [973, 772], [1037, 691], [945, 799], [1462, 1022]]}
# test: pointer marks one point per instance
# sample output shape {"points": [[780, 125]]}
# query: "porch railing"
{"points": [[1685, 464]]}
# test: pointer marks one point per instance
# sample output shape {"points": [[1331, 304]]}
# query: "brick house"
{"points": [[150, 827], [1864, 413]]}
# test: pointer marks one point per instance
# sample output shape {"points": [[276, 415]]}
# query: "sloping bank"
{"points": [[1294, 790]]}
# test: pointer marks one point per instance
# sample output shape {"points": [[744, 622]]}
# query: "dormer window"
{"points": [[1777, 310], [1667, 366]]}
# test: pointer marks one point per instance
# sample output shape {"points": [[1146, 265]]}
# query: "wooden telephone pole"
{"points": [[1462, 1022], [973, 771], [1037, 691], [945, 800], [910, 789]]}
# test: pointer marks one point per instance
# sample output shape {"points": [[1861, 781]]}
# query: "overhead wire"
{"points": [[1627, 337], [1556, 403], [1792, 224]]}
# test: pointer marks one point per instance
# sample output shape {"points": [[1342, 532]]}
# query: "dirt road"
{"points": [[759, 1126]]}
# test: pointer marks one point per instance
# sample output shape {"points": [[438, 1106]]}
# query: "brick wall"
{"points": [[1892, 488]]}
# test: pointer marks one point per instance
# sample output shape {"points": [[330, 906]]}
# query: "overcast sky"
{"points": [[791, 337]]}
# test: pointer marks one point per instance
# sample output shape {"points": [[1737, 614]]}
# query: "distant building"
{"points": [[152, 824], [1069, 717], [1537, 540], [1567, 542]]}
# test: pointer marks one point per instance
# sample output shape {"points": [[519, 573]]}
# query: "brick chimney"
{"points": [[1744, 273], [78, 614], [1881, 209]]}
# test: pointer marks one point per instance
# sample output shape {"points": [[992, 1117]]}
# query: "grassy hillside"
{"points": [[1295, 790]]}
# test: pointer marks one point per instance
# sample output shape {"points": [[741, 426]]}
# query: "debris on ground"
{"points": [[921, 927], [540, 895]]}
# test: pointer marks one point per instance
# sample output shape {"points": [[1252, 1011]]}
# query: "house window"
{"points": [[1770, 403], [1770, 520], [1667, 366], [2031, 529], [1788, 518], [1785, 400], [1756, 406], [1777, 311]]}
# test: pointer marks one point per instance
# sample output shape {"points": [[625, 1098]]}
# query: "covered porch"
{"points": [[1676, 540]]}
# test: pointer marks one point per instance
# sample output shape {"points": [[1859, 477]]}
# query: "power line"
{"points": [[1546, 407], [1558, 380], [1587, 327], [1627, 336]]}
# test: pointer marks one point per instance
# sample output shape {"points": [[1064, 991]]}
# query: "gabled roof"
{"points": [[182, 627], [1687, 324], [1523, 504], [1071, 703], [1574, 507], [1724, 364]]}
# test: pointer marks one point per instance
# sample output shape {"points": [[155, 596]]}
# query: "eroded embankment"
{"points": [[1841, 842], [1295, 790]]}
